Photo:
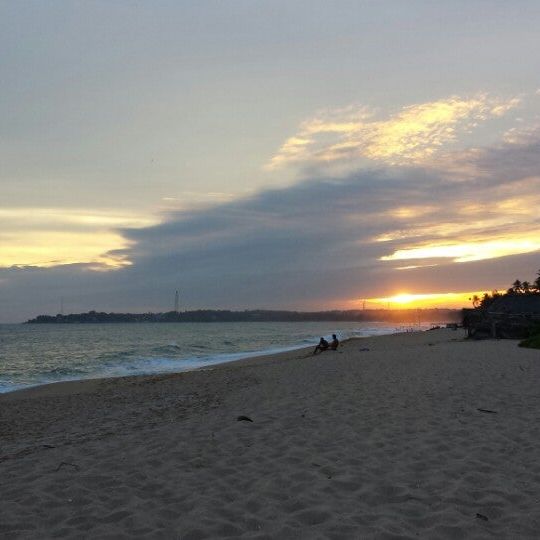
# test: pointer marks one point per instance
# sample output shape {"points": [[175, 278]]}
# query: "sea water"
{"points": [[38, 354]]}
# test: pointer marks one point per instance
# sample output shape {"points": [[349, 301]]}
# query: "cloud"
{"points": [[470, 251], [410, 137], [321, 243]]}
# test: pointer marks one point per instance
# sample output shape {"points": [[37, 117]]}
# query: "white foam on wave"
{"points": [[152, 365], [155, 364]]}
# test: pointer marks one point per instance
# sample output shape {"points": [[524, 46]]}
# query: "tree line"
{"points": [[517, 288], [210, 315]]}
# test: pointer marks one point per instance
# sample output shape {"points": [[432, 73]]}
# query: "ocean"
{"points": [[32, 355]]}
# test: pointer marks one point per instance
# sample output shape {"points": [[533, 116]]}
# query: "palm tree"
{"points": [[486, 299]]}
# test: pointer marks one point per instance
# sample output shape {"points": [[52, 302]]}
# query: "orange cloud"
{"points": [[469, 251]]}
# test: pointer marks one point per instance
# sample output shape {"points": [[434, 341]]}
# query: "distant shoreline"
{"points": [[369, 315]]}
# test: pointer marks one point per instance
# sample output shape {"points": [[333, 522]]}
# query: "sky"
{"points": [[266, 154]]}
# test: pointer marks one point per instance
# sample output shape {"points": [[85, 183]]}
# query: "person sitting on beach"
{"points": [[322, 346], [334, 344]]}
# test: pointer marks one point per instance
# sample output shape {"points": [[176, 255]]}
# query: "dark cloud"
{"points": [[511, 162], [311, 245]]}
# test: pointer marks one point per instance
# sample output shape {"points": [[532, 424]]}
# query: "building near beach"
{"points": [[511, 316]]}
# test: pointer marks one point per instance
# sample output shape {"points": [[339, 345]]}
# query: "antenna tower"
{"points": [[176, 302]]}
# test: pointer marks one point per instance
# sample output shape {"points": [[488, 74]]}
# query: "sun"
{"points": [[404, 298]]}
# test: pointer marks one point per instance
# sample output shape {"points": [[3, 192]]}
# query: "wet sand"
{"points": [[418, 435]]}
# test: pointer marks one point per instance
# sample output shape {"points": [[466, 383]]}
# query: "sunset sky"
{"points": [[266, 154]]}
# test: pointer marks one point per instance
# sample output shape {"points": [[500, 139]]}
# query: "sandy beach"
{"points": [[417, 435]]}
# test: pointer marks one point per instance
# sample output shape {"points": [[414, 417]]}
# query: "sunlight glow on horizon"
{"points": [[407, 300]]}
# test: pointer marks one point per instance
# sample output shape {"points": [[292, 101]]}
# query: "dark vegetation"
{"points": [[411, 316], [532, 342], [517, 288], [513, 314]]}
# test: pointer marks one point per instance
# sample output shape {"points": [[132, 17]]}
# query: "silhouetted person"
{"points": [[334, 344], [322, 346]]}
